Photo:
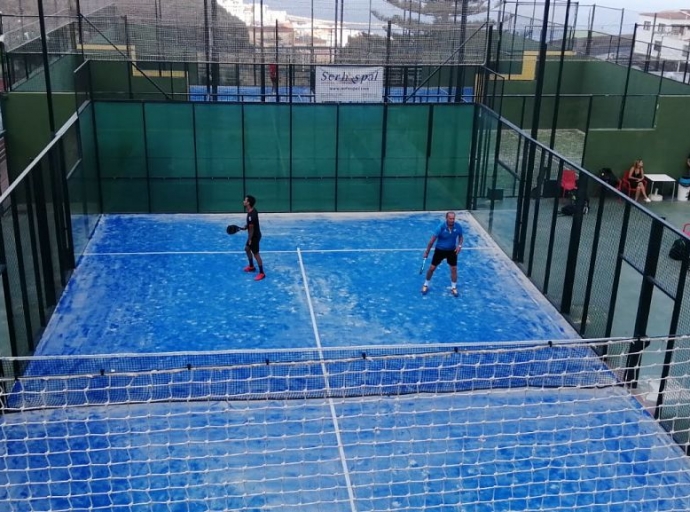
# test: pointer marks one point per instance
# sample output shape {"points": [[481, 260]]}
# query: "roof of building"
{"points": [[680, 14]]}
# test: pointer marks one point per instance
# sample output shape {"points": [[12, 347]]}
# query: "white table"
{"points": [[661, 178]]}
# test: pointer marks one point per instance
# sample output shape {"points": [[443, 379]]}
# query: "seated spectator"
{"points": [[637, 181]]}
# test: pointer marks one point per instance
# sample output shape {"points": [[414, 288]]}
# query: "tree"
{"points": [[418, 15], [440, 29]]}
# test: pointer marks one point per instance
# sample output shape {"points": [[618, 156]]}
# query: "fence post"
{"points": [[588, 123], [627, 81], [81, 28], [651, 45], [658, 93], [593, 260], [588, 47], [387, 79], [37, 187], [486, 70], [63, 211], [9, 306], [559, 83], [129, 60], [215, 65], [572, 33], [675, 317], [3, 69], [46, 68], [471, 194], [574, 245], [527, 176], [207, 50], [645, 303], [620, 34], [277, 78], [46, 262]]}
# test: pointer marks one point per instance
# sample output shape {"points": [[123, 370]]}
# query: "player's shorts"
{"points": [[254, 244], [443, 254]]}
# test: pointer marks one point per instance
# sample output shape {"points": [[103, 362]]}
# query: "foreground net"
{"points": [[527, 427]]}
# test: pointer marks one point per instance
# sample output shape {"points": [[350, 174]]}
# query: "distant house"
{"points": [[664, 35]]}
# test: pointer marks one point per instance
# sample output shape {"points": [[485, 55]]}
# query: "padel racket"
{"points": [[232, 229], [421, 269]]}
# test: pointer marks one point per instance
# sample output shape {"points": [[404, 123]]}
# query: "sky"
{"points": [[642, 5]]}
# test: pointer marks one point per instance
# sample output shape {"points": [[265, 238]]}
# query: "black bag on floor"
{"points": [[568, 210], [679, 250], [571, 208]]}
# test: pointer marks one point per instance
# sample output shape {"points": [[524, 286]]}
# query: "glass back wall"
{"points": [[188, 157]]}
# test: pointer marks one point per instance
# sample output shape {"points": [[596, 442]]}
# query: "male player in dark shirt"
{"points": [[253, 238]]}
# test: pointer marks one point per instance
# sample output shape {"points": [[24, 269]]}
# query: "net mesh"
{"points": [[521, 427], [58, 382]]}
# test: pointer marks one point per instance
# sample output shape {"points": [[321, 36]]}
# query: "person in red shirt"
{"points": [[273, 73]]}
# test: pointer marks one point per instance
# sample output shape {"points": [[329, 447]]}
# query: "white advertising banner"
{"points": [[349, 84]]}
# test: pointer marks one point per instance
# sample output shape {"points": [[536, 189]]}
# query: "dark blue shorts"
{"points": [[443, 254]]}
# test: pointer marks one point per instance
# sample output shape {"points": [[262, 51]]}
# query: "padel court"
{"points": [[333, 384], [156, 283]]}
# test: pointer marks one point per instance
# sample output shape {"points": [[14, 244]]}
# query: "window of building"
{"points": [[661, 28], [647, 25], [657, 46]]}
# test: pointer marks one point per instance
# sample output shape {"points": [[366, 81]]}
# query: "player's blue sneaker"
{"points": [[425, 289]]}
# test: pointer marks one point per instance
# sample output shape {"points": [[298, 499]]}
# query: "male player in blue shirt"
{"points": [[448, 239]]}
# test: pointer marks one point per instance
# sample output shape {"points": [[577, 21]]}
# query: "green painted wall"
{"points": [[607, 78], [61, 76], [664, 149], [518, 109], [110, 80], [583, 78], [25, 115]]}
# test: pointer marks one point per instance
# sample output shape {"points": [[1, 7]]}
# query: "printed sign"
{"points": [[349, 84]]}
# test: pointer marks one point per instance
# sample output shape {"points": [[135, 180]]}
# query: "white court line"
{"points": [[182, 253], [334, 417]]}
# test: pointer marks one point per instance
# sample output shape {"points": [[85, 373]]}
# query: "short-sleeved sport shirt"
{"points": [[447, 239], [253, 220]]}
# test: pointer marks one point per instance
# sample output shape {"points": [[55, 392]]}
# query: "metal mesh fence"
{"points": [[300, 31], [582, 262], [605, 265], [36, 247]]}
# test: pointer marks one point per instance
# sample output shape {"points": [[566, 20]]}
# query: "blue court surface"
{"points": [[157, 283], [168, 379], [302, 94]]}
